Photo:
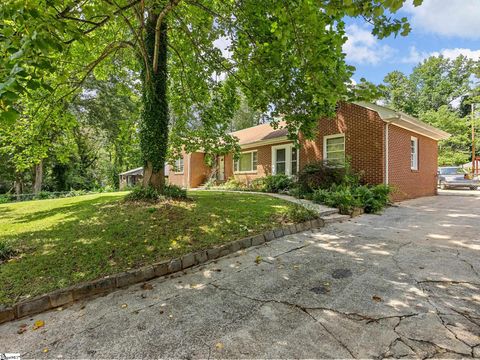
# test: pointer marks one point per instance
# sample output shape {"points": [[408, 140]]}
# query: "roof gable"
{"points": [[263, 132], [404, 121]]}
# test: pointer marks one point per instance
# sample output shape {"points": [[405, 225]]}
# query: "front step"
{"points": [[327, 212], [335, 218]]}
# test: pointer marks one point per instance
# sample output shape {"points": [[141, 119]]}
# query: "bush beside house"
{"points": [[323, 183]]}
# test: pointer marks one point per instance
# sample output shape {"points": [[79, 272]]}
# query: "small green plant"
{"points": [[6, 251], [151, 194], [374, 198], [143, 194], [210, 183], [346, 198], [174, 192], [341, 197], [4, 199], [233, 184], [277, 183], [298, 213]]}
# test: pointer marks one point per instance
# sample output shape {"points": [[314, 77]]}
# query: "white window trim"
{"points": [[253, 171], [327, 137], [175, 166], [414, 166], [288, 158]]}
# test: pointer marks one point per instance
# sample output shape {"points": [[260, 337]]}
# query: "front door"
{"points": [[221, 168]]}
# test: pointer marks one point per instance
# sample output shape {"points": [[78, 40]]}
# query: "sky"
{"points": [[447, 27]]}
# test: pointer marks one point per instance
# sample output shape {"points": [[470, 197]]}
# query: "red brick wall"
{"points": [[364, 138], [179, 179], [407, 182], [264, 163], [199, 171], [364, 145]]}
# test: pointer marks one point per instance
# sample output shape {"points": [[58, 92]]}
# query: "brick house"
{"points": [[384, 145]]}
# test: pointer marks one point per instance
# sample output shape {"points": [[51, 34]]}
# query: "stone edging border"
{"points": [[108, 284]]}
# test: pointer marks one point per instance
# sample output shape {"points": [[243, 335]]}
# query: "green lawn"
{"points": [[61, 242]]}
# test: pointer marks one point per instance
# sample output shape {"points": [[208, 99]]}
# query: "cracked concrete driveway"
{"points": [[403, 284]]}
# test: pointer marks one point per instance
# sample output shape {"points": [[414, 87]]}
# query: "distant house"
{"points": [[130, 178], [135, 176], [384, 145]]}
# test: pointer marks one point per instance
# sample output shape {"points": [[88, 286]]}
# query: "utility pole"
{"points": [[474, 169]]}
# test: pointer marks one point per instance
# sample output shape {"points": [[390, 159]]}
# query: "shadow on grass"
{"points": [[95, 237]]}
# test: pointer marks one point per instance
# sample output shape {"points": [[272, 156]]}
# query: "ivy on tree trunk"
{"points": [[155, 116]]}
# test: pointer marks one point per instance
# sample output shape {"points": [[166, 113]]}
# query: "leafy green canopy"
{"points": [[429, 92], [286, 56]]}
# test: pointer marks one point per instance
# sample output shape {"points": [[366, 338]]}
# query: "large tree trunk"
{"points": [[155, 117], [37, 185], [18, 185]]}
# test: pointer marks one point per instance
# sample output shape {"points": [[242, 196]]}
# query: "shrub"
{"points": [[4, 199], [374, 198], [45, 195], [174, 192], [277, 183], [211, 182], [6, 251], [233, 184], [345, 198], [151, 194], [143, 194], [340, 197], [319, 175], [298, 213], [257, 184], [323, 175]]}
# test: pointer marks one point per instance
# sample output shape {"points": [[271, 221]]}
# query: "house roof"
{"points": [[266, 134], [261, 133], [405, 121], [137, 171]]}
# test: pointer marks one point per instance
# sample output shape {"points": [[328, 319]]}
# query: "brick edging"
{"points": [[108, 284]]}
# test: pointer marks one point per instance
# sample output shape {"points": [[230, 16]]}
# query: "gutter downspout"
{"points": [[386, 153]]}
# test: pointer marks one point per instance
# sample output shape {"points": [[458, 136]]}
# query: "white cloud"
{"points": [[415, 56], [460, 18], [364, 48]]}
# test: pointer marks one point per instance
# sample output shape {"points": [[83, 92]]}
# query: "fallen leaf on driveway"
{"points": [[147, 286], [258, 259], [38, 324], [376, 298], [45, 350], [219, 346], [124, 306], [22, 329]]}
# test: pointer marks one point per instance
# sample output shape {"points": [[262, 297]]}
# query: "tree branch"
{"points": [[160, 18], [104, 20]]}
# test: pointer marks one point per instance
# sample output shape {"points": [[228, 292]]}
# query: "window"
{"points": [[247, 162], [281, 161], [179, 167], [294, 160], [284, 159], [334, 148], [414, 153]]}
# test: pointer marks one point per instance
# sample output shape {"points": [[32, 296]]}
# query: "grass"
{"points": [[60, 242]]}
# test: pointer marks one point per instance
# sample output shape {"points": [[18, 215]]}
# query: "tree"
{"points": [[245, 116], [285, 56], [435, 82], [454, 150], [429, 93]]}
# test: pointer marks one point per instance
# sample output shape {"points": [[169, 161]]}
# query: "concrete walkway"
{"points": [[402, 284]]}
